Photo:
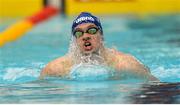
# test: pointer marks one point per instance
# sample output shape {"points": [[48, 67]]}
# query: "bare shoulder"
{"points": [[122, 56], [130, 63], [57, 67]]}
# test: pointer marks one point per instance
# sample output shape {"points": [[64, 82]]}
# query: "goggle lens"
{"points": [[92, 31], [78, 34]]}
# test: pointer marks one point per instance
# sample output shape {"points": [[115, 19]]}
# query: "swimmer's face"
{"points": [[91, 39]]}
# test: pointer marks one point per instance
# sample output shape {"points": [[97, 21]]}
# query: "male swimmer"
{"points": [[87, 46]]}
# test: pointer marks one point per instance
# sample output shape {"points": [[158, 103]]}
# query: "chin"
{"points": [[88, 52]]}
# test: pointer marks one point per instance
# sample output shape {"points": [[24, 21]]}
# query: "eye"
{"points": [[92, 30], [78, 34]]}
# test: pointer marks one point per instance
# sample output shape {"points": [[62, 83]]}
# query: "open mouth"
{"points": [[87, 46]]}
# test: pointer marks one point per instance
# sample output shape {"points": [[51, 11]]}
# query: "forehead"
{"points": [[85, 25]]}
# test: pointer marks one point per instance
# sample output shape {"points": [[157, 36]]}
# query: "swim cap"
{"points": [[86, 17]]}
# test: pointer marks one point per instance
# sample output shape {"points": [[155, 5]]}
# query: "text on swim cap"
{"points": [[84, 18]]}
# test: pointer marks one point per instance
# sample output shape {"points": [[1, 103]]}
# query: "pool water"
{"points": [[154, 40]]}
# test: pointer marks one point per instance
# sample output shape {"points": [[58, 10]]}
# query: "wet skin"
{"points": [[88, 44]]}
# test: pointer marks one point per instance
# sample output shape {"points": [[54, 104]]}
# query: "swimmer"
{"points": [[87, 46]]}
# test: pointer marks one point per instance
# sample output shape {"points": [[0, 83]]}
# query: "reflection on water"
{"points": [[161, 93], [55, 91]]}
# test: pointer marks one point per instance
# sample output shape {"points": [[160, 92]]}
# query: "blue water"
{"points": [[154, 40]]}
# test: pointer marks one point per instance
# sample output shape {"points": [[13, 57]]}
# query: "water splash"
{"points": [[96, 57], [89, 72], [167, 74], [20, 75], [91, 66]]}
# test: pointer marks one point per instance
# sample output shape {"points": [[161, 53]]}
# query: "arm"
{"points": [[126, 62], [141, 70], [55, 68], [51, 70]]}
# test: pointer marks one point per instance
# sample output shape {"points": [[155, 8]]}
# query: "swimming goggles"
{"points": [[92, 30]]}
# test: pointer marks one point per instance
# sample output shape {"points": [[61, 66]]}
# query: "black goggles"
{"points": [[92, 30]]}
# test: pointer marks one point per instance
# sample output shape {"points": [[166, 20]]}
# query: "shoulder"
{"points": [[131, 64], [57, 62], [122, 56], [57, 67], [127, 61]]}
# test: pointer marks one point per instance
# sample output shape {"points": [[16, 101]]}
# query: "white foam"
{"points": [[167, 74], [90, 72], [13, 74]]}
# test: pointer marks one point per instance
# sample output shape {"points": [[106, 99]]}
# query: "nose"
{"points": [[86, 38]]}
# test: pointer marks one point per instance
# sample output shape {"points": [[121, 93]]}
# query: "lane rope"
{"points": [[18, 29]]}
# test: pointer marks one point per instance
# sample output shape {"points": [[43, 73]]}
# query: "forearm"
{"points": [[144, 72]]}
